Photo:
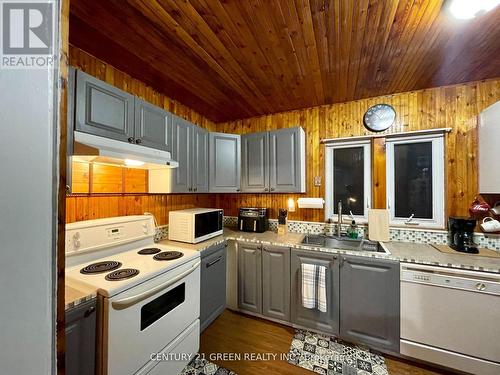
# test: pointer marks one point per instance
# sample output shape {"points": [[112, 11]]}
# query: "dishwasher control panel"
{"points": [[451, 278]]}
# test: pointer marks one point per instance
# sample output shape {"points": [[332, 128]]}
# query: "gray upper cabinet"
{"points": [[328, 321], [287, 160], [181, 152], [369, 302], [153, 126], [276, 282], [102, 109], [249, 277], [255, 162], [190, 149], [199, 175], [225, 162]]}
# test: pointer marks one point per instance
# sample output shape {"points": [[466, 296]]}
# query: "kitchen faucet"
{"points": [[339, 219]]}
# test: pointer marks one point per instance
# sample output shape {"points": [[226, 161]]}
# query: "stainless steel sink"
{"points": [[344, 243]]}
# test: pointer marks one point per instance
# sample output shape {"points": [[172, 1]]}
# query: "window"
{"points": [[348, 179], [415, 181]]}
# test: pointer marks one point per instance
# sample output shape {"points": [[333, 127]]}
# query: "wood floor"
{"points": [[237, 333]]}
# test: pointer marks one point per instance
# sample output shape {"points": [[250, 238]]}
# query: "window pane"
{"points": [[348, 179], [413, 180]]}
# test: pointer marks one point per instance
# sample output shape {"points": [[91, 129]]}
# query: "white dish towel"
{"points": [[314, 287]]}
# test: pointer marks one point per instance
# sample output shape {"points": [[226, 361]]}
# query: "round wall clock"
{"points": [[380, 117]]}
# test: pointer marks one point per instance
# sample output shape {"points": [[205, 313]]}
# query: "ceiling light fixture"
{"points": [[467, 9]]}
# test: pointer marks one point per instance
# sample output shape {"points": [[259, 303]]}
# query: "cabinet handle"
{"points": [[190, 189], [89, 311], [131, 140], [272, 189], [138, 141], [214, 261], [266, 189], [238, 190], [342, 260], [195, 189]]}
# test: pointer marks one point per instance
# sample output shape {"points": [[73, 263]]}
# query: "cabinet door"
{"points": [[369, 302], [213, 284], [153, 126], [102, 109], [287, 160], [80, 339], [225, 162], [181, 152], [255, 162], [249, 277], [200, 160], [313, 318], [276, 282]]}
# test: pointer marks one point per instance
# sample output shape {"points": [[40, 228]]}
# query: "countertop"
{"points": [[400, 251], [75, 295]]}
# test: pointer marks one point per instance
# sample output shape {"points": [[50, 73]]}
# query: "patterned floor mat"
{"points": [[330, 356], [199, 366]]}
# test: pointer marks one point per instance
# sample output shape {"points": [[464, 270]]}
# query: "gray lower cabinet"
{"points": [[213, 284], [328, 321], [255, 162], [102, 109], [199, 175], [225, 162], [287, 160], [153, 126], [369, 302], [276, 282], [249, 277], [181, 152], [81, 339]]}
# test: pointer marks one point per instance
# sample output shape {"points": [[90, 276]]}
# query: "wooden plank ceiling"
{"points": [[235, 59]]}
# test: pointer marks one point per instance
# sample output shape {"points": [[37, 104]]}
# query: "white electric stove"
{"points": [[148, 294]]}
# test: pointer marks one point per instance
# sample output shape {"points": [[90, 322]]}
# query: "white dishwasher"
{"points": [[451, 317]]}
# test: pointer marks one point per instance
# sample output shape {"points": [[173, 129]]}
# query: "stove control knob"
{"points": [[145, 228], [76, 240]]}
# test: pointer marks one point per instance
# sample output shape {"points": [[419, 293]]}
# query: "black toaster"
{"points": [[253, 219]]}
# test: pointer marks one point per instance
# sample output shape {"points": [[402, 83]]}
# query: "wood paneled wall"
{"points": [[456, 107], [95, 206]]}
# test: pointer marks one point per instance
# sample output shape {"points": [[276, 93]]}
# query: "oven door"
{"points": [[207, 225], [144, 319]]}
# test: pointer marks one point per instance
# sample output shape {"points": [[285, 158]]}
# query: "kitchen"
{"points": [[248, 187]]}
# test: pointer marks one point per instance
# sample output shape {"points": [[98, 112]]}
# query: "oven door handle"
{"points": [[132, 300]]}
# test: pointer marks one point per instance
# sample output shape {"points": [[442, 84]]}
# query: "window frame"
{"points": [[438, 182], [329, 184]]}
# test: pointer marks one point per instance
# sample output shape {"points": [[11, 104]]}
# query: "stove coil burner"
{"points": [[100, 267], [125, 273], [149, 251], [168, 255]]}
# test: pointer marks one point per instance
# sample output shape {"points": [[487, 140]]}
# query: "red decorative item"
{"points": [[479, 208]]}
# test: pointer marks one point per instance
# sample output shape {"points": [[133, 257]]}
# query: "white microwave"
{"points": [[195, 224]]}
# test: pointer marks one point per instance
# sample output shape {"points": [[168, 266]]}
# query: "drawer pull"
{"points": [[89, 311], [214, 261]]}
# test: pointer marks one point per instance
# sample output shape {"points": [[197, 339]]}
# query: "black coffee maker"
{"points": [[461, 233]]}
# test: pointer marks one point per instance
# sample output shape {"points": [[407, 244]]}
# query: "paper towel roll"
{"points": [[311, 202]]}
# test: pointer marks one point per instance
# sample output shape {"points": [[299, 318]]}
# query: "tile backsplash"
{"points": [[396, 234]]}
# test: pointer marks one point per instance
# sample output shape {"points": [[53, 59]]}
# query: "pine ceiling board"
{"points": [[160, 51], [212, 52], [253, 57], [123, 60], [206, 43]]}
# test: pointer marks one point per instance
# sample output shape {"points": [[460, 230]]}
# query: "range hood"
{"points": [[96, 149]]}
